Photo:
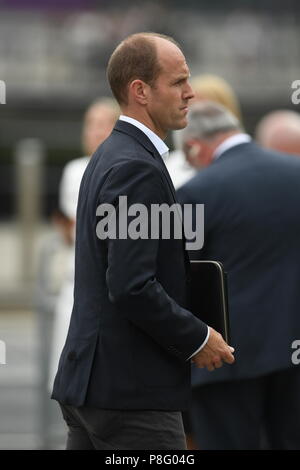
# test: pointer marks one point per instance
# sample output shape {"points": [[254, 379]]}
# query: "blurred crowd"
{"points": [[61, 51]]}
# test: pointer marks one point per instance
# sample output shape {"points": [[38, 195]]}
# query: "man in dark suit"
{"points": [[124, 373], [251, 203]]}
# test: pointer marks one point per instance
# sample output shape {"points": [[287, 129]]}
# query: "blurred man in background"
{"points": [[280, 130], [206, 87], [251, 203], [99, 120]]}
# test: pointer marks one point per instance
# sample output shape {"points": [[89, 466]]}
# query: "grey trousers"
{"points": [[99, 429]]}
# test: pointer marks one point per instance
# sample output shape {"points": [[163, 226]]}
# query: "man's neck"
{"points": [[146, 120], [219, 139], [229, 140]]}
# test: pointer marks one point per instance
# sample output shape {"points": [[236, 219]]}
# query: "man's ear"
{"points": [[192, 152], [139, 91], [195, 149]]}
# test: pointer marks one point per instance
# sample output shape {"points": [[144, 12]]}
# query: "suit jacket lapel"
{"points": [[136, 133]]}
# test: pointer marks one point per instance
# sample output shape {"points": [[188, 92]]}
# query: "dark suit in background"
{"points": [[130, 335], [252, 225]]}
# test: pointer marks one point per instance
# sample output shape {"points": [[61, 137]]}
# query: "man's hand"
{"points": [[215, 352]]}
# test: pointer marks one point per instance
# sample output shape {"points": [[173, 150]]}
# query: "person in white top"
{"points": [[178, 167], [99, 120]]}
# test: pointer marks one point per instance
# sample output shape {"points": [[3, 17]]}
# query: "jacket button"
{"points": [[72, 355]]}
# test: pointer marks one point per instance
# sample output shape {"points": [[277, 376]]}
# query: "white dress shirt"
{"points": [[163, 150], [158, 143]]}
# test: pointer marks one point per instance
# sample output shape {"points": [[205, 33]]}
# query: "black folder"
{"points": [[209, 298]]}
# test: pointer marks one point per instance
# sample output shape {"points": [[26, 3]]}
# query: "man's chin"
{"points": [[180, 125]]}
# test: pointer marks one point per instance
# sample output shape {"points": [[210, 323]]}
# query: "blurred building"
{"points": [[53, 57]]}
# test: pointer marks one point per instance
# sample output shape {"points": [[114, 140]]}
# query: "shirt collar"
{"points": [[231, 142], [158, 143]]}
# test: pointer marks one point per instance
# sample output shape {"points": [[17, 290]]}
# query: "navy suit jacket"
{"points": [[130, 334], [252, 225]]}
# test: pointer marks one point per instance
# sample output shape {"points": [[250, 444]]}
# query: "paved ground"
{"points": [[29, 419]]}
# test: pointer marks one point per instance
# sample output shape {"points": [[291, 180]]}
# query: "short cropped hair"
{"points": [[206, 119], [134, 58]]}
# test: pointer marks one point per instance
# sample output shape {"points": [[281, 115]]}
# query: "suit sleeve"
{"points": [[132, 265]]}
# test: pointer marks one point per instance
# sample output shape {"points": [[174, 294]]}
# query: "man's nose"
{"points": [[189, 93]]}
